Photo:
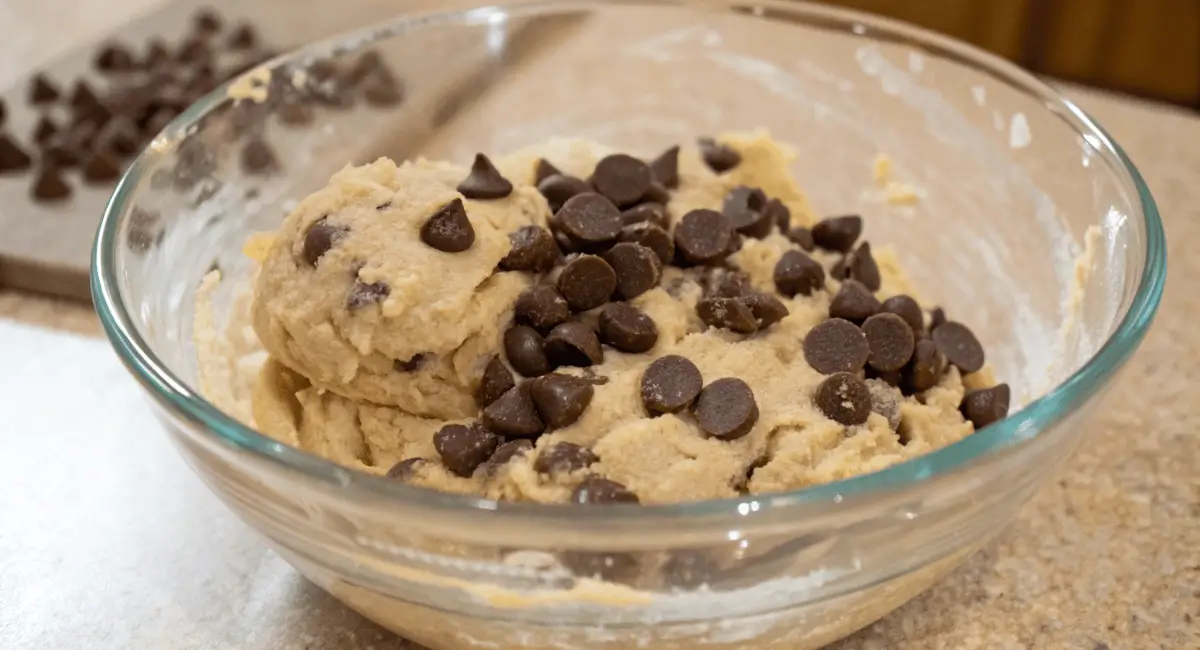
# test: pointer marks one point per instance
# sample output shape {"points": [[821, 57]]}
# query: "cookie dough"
{"points": [[394, 353]]}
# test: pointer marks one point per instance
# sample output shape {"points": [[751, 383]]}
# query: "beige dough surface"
{"points": [[331, 386]]}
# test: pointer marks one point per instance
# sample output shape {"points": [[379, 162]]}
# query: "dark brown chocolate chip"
{"points": [[382, 90], [50, 186], [525, 350], [781, 216], [937, 316], [854, 302], [564, 457], [890, 377], [844, 398], [717, 156], [802, 237], [59, 152], [193, 50], [666, 168], [412, 364], [986, 405], [651, 236], [587, 282], [727, 313], [45, 129], [406, 469], [294, 112], [258, 157], [464, 447], [514, 414], [449, 230], [725, 282], [242, 38], [545, 170], [885, 400], [120, 138], [321, 237], [959, 345], [366, 293], [703, 237], [655, 213], [507, 452], [726, 409], [561, 399], [158, 121], [744, 207], [564, 243], [83, 99], [797, 273], [891, 341], [12, 157], [113, 57], [484, 181], [906, 308], [767, 309], [43, 91], [559, 188], [637, 268], [836, 345], [924, 370], [612, 567], [100, 168], [157, 55], [589, 218], [627, 328], [656, 193], [497, 380], [621, 178], [207, 21], [541, 307], [370, 64], [689, 569], [838, 270], [669, 384], [574, 344], [532, 249], [838, 233], [735, 243], [861, 266], [594, 490]]}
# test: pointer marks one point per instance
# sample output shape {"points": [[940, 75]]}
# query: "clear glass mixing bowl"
{"points": [[1012, 183]]}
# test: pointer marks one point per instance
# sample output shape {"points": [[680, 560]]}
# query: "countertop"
{"points": [[117, 545]]}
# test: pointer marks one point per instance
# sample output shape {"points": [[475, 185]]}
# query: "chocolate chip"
{"points": [[959, 345], [242, 38], [651, 236], [50, 186], [525, 350], [484, 181], [382, 90], [937, 316], [621, 178], [541, 307], [689, 569], [844, 398], [207, 21], [449, 230], [12, 157], [767, 309], [885, 400], [726, 409], [836, 345], [101, 169], [412, 364], [544, 171], [655, 213], [532, 249], [157, 55], [723, 282], [665, 168], [627, 328], [637, 268], [906, 308], [890, 377], [321, 237], [838, 233], [363, 294], [587, 282], [802, 237], [780, 215], [612, 567], [743, 207], [514, 414], [669, 384], [258, 157], [594, 490], [703, 237], [83, 99], [564, 457], [561, 399], [735, 243], [496, 381], [42, 91], [45, 129], [860, 265], [59, 152], [890, 340], [120, 138], [986, 405], [464, 448], [294, 112], [797, 273], [727, 313], [3, 112], [838, 270], [406, 469], [854, 302], [193, 50], [589, 218], [656, 193], [574, 344], [718, 157], [559, 188], [924, 370], [507, 452], [114, 58]]}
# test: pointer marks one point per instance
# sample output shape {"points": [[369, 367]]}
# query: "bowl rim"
{"points": [[1019, 427]]}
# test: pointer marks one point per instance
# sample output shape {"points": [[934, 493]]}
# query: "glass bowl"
{"points": [[1008, 205]]}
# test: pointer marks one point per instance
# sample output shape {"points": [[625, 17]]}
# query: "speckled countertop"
{"points": [[1106, 556]]}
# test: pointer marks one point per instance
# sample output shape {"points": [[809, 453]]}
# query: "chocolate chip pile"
{"points": [[608, 242]]}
